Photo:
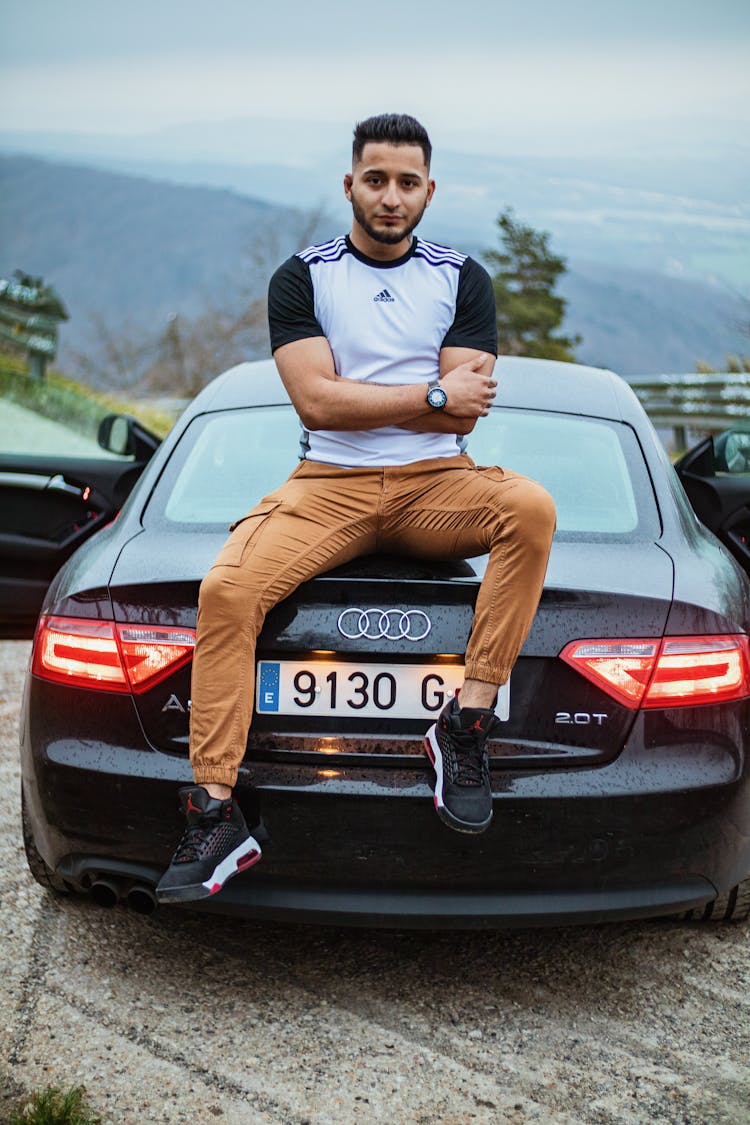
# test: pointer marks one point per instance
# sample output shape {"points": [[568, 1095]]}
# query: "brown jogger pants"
{"points": [[323, 516]]}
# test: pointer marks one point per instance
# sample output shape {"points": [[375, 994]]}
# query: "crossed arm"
{"points": [[327, 401]]}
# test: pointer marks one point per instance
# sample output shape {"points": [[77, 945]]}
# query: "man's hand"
{"points": [[327, 401], [470, 387]]}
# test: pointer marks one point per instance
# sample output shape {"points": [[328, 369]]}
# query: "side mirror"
{"points": [[732, 451], [114, 435], [124, 435]]}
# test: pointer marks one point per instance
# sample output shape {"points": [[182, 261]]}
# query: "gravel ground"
{"points": [[188, 1018]]}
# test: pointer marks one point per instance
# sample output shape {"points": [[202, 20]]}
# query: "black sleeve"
{"points": [[475, 322], [291, 304]]}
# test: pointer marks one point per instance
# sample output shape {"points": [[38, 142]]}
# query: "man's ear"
{"points": [[348, 181], [430, 192]]}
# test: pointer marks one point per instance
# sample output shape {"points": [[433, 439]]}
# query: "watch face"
{"points": [[437, 397]]}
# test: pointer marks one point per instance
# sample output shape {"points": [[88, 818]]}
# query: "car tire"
{"points": [[730, 906], [43, 874]]}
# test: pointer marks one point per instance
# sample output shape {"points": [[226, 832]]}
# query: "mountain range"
{"points": [[130, 236]]}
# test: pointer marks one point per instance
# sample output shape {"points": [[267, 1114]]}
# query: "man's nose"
{"points": [[392, 197]]}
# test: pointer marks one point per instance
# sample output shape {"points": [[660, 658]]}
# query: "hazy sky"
{"points": [[544, 65]]}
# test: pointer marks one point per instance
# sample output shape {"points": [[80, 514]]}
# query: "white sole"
{"points": [[435, 755], [248, 850]]}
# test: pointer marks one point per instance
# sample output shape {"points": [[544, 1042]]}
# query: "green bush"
{"points": [[55, 1106], [63, 400]]}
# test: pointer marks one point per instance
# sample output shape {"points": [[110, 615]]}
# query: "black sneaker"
{"points": [[215, 845], [455, 745]]}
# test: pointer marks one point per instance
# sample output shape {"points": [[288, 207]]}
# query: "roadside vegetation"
{"points": [[55, 1106], [69, 402], [734, 365]]}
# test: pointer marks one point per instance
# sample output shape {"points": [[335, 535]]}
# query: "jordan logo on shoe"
{"points": [[190, 807], [384, 295]]}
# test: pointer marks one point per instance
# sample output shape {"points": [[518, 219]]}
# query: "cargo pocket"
{"points": [[243, 533]]}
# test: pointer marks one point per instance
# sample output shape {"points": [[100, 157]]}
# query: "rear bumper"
{"points": [[247, 897], [657, 831]]}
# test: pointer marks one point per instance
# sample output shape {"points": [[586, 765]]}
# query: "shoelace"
{"points": [[193, 842], [468, 755]]}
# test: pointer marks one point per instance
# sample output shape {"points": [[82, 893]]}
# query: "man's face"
{"points": [[389, 189]]}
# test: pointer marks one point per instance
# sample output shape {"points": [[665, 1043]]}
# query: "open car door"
{"points": [[56, 490], [716, 477]]}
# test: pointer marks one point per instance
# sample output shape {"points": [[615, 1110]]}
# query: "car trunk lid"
{"points": [[556, 716]]}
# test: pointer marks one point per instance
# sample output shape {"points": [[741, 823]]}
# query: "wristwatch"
{"points": [[436, 396]]}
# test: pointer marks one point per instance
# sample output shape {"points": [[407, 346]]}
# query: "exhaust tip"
{"points": [[141, 899], [105, 893]]}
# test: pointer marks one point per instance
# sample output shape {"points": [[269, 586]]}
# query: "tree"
{"points": [[115, 357], [180, 357], [190, 351], [524, 275]]}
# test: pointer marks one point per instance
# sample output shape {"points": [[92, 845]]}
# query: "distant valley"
{"points": [[655, 281]]}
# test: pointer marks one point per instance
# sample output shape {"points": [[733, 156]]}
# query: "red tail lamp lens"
{"points": [[149, 654], [621, 668], [672, 672], [108, 655], [695, 670], [83, 653]]}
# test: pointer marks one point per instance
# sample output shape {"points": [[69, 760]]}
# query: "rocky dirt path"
{"points": [[190, 1018]]}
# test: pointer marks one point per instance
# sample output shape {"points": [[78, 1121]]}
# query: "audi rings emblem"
{"points": [[384, 624]]}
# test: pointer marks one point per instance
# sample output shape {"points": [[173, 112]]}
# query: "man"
{"points": [[386, 345]]}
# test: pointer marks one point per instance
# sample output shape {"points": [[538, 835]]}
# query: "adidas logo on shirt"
{"points": [[384, 295]]}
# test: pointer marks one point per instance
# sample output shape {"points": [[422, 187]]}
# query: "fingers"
{"points": [[467, 385]]}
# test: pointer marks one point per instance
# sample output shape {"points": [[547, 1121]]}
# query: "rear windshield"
{"points": [[226, 462], [593, 470]]}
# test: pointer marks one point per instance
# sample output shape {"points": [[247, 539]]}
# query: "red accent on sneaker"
{"points": [[428, 750], [477, 725], [190, 807], [248, 860], [216, 887]]}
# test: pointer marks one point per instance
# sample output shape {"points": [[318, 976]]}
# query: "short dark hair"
{"points": [[393, 129]]}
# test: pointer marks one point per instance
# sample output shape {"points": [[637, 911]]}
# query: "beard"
{"points": [[391, 236]]}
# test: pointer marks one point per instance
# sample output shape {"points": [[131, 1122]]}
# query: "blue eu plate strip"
{"points": [[268, 686]]}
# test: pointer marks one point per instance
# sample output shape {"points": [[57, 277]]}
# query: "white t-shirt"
{"points": [[385, 323]]}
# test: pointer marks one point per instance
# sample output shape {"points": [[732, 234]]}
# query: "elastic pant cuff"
{"points": [[487, 673], [214, 775]]}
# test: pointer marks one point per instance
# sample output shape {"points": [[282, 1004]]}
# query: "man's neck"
{"points": [[378, 251]]}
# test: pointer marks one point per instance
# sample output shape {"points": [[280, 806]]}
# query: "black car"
{"points": [[620, 754]]}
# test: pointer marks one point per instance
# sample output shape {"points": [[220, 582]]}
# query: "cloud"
{"points": [[481, 89], [47, 31]]}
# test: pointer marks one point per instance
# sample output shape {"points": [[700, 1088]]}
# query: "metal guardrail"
{"points": [[697, 402], [709, 402]]}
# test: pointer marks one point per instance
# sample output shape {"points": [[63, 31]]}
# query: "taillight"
{"points": [[671, 672], [109, 655]]}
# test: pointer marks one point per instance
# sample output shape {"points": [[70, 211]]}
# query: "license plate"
{"points": [[345, 689]]}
